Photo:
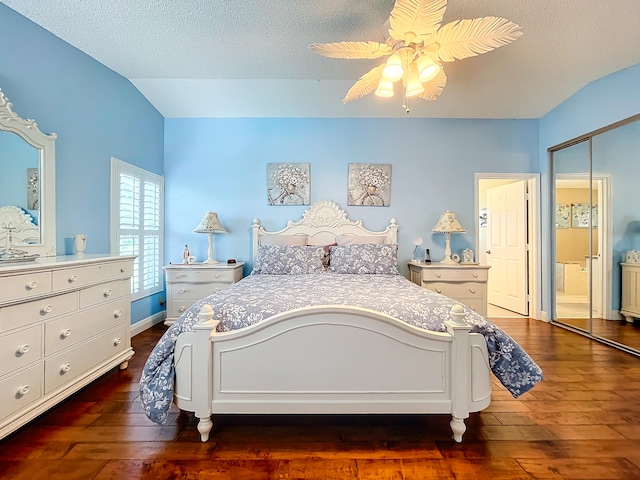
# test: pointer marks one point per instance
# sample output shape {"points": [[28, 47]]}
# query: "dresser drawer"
{"points": [[77, 277], [201, 275], [19, 287], [455, 274], [104, 292], [71, 363], [19, 390], [478, 305], [457, 290], [37, 310], [20, 349], [67, 331]]}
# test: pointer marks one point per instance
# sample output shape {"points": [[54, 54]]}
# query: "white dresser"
{"points": [[630, 291], [188, 283], [64, 321], [466, 283]]}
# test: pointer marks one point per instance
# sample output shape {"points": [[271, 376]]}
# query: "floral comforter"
{"points": [[258, 297]]}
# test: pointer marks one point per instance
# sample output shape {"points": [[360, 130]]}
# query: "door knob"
{"points": [[488, 252]]}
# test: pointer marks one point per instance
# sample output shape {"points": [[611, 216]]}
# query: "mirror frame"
{"points": [[46, 144]]}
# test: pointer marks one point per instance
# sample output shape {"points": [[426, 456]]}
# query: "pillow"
{"points": [[288, 259], [365, 259], [359, 239], [284, 239]]}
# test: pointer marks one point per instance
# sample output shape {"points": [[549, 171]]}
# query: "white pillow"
{"points": [[294, 240], [359, 240]]}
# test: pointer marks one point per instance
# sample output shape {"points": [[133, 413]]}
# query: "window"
{"points": [[137, 223]]}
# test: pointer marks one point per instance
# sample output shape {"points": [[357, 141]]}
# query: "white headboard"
{"points": [[25, 231], [323, 222]]}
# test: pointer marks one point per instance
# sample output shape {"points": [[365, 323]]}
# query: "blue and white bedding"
{"points": [[258, 297]]}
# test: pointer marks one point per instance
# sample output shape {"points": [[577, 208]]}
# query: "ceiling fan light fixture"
{"points": [[393, 70], [427, 68], [385, 88], [413, 85]]}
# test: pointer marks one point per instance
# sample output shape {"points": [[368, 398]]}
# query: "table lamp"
{"points": [[210, 225], [448, 224]]}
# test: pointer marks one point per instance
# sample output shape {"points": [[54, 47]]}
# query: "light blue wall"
{"points": [[96, 114], [221, 164], [600, 103]]}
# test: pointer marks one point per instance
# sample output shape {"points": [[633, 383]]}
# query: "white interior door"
{"points": [[507, 247]]}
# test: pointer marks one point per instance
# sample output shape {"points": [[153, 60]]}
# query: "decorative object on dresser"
{"points": [[64, 322], [210, 225], [448, 224], [188, 283], [630, 291], [464, 283], [417, 241]]}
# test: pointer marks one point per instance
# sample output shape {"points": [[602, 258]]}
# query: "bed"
{"points": [[325, 324], [16, 220]]}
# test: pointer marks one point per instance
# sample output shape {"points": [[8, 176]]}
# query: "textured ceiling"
{"points": [[221, 58]]}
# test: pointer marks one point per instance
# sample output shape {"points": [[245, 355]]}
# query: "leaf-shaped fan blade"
{"points": [[352, 50], [367, 84], [433, 88], [422, 17], [468, 38]]}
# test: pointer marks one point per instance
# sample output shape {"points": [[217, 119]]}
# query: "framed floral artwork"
{"points": [[562, 215], [33, 189], [580, 213], [369, 184], [288, 183]]}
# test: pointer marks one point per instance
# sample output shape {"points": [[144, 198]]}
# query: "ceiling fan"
{"points": [[417, 46]]}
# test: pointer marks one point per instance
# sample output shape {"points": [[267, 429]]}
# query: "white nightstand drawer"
{"points": [[19, 390], [23, 286], [37, 310], [454, 274], [457, 290], [20, 349], [200, 275]]}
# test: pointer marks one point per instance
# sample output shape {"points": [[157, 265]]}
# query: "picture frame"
{"points": [[288, 183], [582, 214], [369, 184], [563, 214]]}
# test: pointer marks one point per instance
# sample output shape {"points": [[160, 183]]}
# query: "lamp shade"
{"points": [[448, 223], [210, 224]]}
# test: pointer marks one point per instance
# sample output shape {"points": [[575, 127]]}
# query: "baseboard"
{"points": [[148, 322]]}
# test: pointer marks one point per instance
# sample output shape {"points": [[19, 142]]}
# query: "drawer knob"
{"points": [[181, 291], [73, 278], [23, 390], [123, 269], [46, 309], [181, 309], [218, 275], [117, 341], [438, 275], [117, 313], [180, 275], [107, 292], [65, 333], [65, 368], [32, 285], [438, 290], [22, 349], [472, 290], [475, 275]]}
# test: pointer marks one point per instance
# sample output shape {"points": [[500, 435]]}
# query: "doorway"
{"points": [[512, 275]]}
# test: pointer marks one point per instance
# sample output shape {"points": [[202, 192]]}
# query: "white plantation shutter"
{"points": [[137, 221]]}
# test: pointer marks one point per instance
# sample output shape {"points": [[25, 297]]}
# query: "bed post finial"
{"points": [[457, 315]]}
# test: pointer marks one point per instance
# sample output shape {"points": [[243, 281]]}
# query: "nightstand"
{"points": [[188, 283], [466, 283], [630, 291]]}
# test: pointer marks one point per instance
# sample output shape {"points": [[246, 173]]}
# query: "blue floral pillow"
{"points": [[364, 259], [288, 260]]}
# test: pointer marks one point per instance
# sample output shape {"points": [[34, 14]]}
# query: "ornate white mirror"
{"points": [[27, 185]]}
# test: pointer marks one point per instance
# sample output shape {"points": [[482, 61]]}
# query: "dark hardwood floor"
{"points": [[581, 422]]}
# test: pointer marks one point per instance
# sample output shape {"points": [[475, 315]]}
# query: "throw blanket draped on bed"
{"points": [[258, 297]]}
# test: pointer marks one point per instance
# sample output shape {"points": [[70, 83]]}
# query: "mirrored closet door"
{"points": [[596, 225]]}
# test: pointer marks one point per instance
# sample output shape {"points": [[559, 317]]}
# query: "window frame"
{"points": [[117, 168]]}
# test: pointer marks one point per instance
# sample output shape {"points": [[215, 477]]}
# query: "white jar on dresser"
{"points": [[188, 283], [64, 321], [466, 283]]}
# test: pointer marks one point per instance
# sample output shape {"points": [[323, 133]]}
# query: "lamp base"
{"points": [[448, 261], [211, 261]]}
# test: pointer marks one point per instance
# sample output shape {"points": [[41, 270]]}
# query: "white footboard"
{"points": [[332, 359]]}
